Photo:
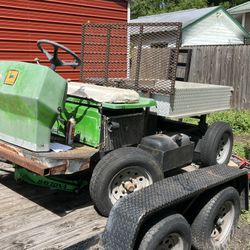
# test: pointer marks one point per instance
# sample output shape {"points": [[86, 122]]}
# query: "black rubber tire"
{"points": [[172, 224], [203, 224], [210, 143], [110, 165]]}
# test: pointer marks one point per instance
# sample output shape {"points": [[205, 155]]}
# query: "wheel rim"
{"points": [[128, 180], [223, 149], [223, 223], [172, 241]]}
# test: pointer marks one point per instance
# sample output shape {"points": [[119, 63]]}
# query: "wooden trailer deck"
{"points": [[38, 218]]}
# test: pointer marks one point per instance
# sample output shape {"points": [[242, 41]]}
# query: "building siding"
{"points": [[215, 29], [23, 22], [239, 18]]}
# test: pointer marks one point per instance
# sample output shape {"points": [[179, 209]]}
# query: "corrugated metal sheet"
{"points": [[240, 9], [186, 17], [23, 22]]}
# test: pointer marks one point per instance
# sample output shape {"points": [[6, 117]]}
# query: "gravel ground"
{"points": [[241, 239]]}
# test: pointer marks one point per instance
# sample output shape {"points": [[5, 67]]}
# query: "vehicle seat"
{"points": [[102, 94]]}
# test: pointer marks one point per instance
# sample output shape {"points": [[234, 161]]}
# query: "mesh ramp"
{"points": [[141, 56]]}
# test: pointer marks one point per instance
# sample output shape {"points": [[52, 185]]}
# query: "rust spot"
{"points": [[85, 164], [58, 169], [14, 155]]}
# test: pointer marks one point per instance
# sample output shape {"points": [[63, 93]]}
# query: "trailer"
{"points": [[40, 218], [121, 128], [199, 209]]}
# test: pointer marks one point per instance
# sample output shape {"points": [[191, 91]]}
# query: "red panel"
{"points": [[23, 22]]}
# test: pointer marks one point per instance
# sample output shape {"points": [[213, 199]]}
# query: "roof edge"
{"points": [[235, 8], [201, 18], [247, 34]]}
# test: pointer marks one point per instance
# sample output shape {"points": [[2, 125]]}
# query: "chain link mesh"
{"points": [[139, 56]]}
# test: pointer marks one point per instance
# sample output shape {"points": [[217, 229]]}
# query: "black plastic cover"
{"points": [[170, 152]]}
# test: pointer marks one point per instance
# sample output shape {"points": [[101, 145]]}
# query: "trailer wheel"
{"points": [[214, 225], [119, 173], [217, 144], [173, 232]]}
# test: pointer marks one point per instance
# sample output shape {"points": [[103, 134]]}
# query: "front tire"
{"points": [[173, 232], [119, 173], [214, 226]]}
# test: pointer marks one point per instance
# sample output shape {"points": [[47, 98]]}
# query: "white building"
{"points": [[207, 26], [242, 14]]}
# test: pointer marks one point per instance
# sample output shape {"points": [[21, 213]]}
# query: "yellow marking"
{"points": [[11, 77]]}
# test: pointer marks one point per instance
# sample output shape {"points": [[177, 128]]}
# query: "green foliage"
{"points": [[238, 120], [240, 123], [187, 4], [150, 7], [226, 4], [245, 215], [241, 149]]}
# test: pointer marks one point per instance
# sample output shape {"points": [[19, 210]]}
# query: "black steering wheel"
{"points": [[54, 59]]}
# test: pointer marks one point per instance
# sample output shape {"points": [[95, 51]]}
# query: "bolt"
{"points": [[220, 222], [129, 186]]}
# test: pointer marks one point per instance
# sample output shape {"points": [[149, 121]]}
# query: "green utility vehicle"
{"points": [[122, 128]]}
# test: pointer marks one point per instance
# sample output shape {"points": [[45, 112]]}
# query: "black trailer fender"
{"points": [[131, 214]]}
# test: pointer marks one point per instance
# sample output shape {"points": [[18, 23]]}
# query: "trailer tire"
{"points": [[120, 172], [170, 232], [217, 144], [219, 216]]}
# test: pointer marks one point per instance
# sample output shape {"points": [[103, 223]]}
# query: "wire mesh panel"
{"points": [[139, 56]]}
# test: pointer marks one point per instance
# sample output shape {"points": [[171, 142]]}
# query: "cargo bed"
{"points": [[193, 99]]}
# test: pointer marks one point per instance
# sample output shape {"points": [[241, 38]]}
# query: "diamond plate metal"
{"points": [[193, 99], [128, 214]]}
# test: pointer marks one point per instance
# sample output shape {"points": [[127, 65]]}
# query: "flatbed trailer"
{"points": [[41, 218]]}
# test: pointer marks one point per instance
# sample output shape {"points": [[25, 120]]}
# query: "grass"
{"points": [[238, 120], [242, 148], [240, 123], [245, 216]]}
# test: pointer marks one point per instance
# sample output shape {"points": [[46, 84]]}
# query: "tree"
{"points": [[226, 4], [150, 7], [187, 4], [146, 7]]}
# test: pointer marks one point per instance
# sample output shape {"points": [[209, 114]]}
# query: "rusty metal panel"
{"points": [[51, 163], [140, 56], [23, 22]]}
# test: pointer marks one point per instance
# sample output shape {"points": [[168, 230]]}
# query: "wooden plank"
{"points": [[38, 218], [55, 231]]}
